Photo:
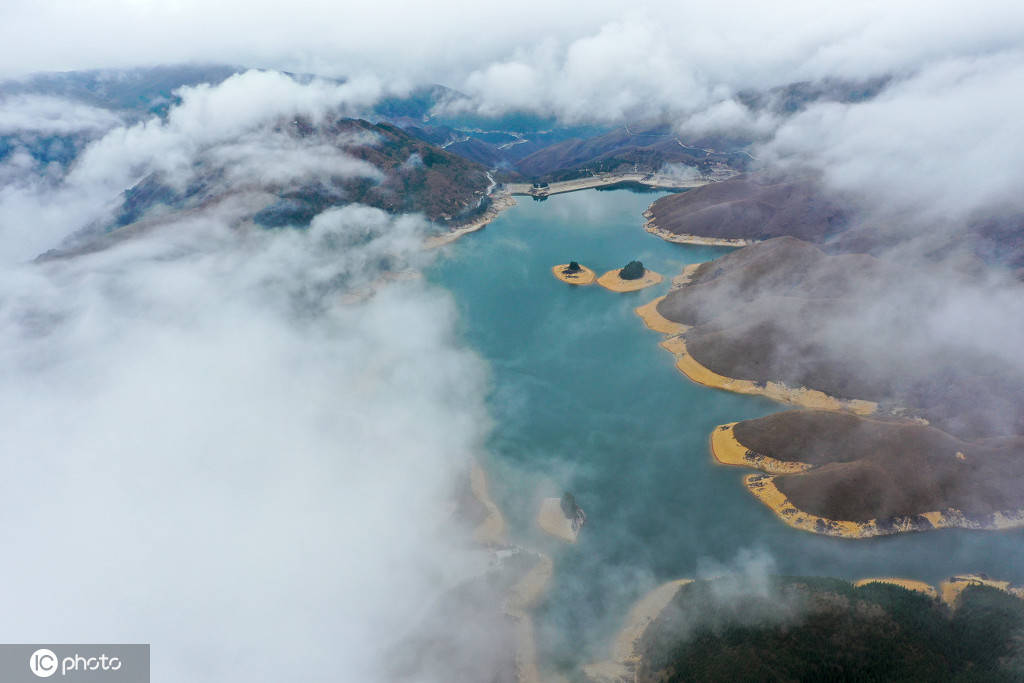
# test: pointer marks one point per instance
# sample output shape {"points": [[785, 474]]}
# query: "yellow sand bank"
{"points": [[499, 203], [531, 588], [621, 666], [612, 281], [522, 597], [645, 611], [652, 227], [656, 321], [684, 277], [797, 396], [909, 584], [954, 586], [526, 651], [764, 489], [524, 594], [624, 658], [492, 530], [584, 276], [552, 520], [729, 451]]}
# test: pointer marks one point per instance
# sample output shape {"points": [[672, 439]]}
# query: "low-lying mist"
{"points": [[242, 445], [206, 449]]}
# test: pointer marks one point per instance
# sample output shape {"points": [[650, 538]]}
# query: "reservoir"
{"points": [[584, 400]]}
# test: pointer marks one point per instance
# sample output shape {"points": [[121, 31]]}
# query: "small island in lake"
{"points": [[561, 517], [574, 274], [631, 278]]}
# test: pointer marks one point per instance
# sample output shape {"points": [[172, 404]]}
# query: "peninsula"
{"points": [[500, 201], [746, 209], [625, 652], [883, 446], [785, 628], [843, 475], [779, 391]]}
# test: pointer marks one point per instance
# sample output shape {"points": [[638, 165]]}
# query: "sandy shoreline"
{"points": [[728, 451], [522, 598], [656, 321], [531, 588], [492, 530], [951, 588], [797, 396], [652, 227], [552, 520], [504, 199], [584, 276], [684, 277], [688, 365], [499, 202], [764, 489], [524, 594], [613, 282], [909, 584], [621, 666]]}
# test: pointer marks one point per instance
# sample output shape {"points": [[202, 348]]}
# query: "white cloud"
{"points": [[210, 115], [268, 159], [224, 460], [228, 127], [942, 144], [729, 117], [657, 58], [600, 58], [221, 455], [46, 115]]}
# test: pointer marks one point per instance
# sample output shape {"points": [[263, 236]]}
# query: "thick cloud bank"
{"points": [[942, 144], [533, 54], [207, 450], [209, 443]]}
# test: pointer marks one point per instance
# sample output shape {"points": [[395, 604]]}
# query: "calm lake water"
{"points": [[585, 400]]}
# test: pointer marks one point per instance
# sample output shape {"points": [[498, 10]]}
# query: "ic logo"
{"points": [[43, 663]]}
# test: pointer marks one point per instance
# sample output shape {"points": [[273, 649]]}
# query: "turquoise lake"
{"points": [[584, 400]]}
